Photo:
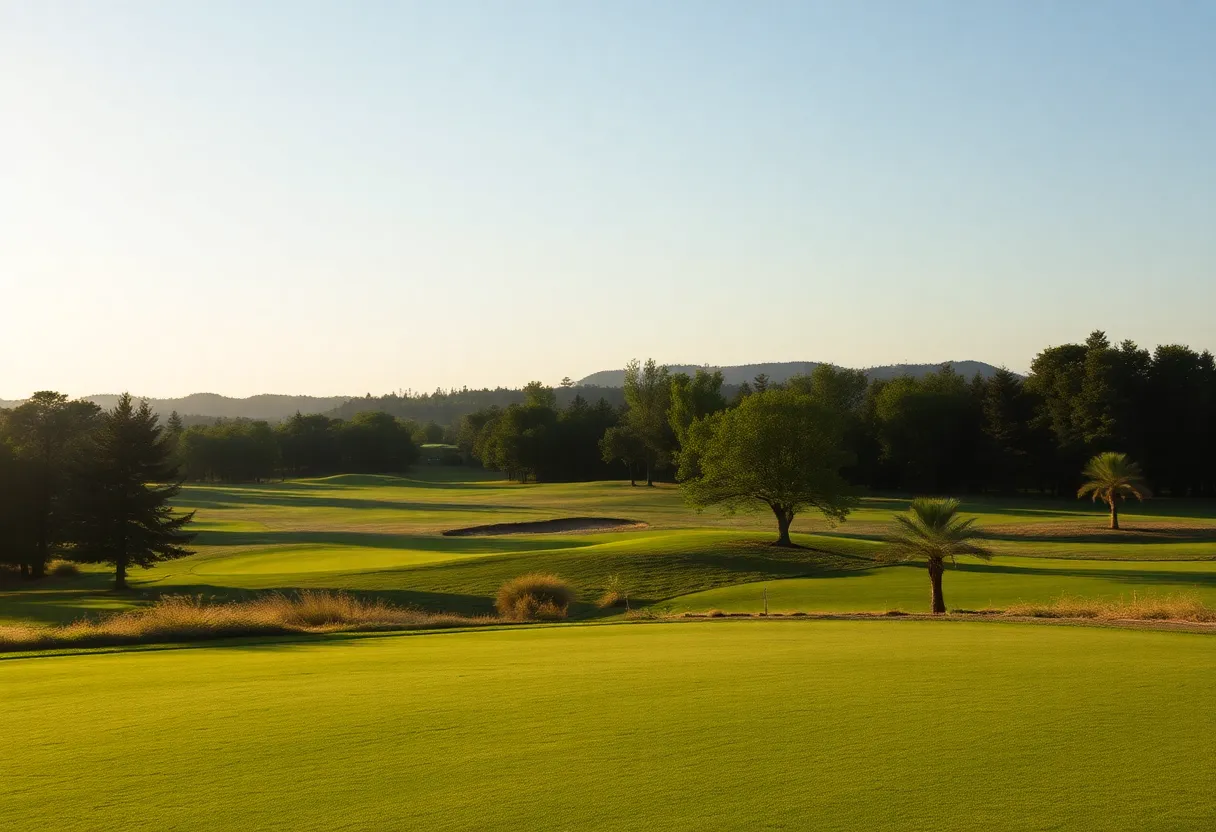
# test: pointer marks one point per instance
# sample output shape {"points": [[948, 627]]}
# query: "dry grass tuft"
{"points": [[609, 599], [538, 596], [191, 618], [1182, 607], [63, 569]]}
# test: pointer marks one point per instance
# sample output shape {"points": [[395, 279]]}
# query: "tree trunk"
{"points": [[784, 518], [1114, 515], [936, 568], [649, 474], [120, 573], [633, 480]]}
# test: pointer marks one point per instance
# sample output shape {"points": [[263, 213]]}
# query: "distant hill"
{"points": [[269, 406], [784, 370]]}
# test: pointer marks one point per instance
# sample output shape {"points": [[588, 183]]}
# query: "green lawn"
{"points": [[973, 585], [796, 725], [383, 535]]}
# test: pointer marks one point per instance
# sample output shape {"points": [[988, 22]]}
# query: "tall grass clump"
{"points": [[538, 596], [1180, 607], [614, 594], [191, 618], [63, 569]]}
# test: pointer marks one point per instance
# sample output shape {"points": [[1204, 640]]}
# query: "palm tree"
{"points": [[1111, 477], [933, 531]]}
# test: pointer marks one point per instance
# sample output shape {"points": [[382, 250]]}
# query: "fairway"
{"points": [[971, 585], [711, 725], [383, 535]]}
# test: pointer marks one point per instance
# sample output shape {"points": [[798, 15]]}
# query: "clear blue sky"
{"points": [[319, 197]]}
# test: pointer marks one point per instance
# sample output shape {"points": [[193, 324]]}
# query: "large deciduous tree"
{"points": [[648, 395], [693, 398], [777, 449], [126, 481], [932, 531], [1112, 477]]}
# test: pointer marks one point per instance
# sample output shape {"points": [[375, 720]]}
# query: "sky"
{"points": [[340, 198]]}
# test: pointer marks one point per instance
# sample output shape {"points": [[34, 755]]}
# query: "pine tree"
{"points": [[123, 512]]}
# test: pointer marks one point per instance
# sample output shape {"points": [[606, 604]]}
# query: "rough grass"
{"points": [[1180, 607], [538, 596], [190, 618]]}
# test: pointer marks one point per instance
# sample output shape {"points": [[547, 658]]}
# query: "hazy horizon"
{"points": [[248, 198], [457, 385]]}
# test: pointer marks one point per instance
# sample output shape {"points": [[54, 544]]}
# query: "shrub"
{"points": [[537, 596], [63, 569]]}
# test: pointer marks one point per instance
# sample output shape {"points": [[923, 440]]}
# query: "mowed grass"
{"points": [[383, 535], [815, 725], [972, 585]]}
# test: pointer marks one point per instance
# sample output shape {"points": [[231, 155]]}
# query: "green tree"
{"points": [[46, 432], [1111, 477], [620, 443], [777, 449], [127, 480], [932, 531], [693, 398], [539, 394], [18, 531], [373, 442], [648, 395]]}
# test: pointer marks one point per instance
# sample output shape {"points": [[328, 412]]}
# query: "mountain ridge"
{"points": [[780, 371]]}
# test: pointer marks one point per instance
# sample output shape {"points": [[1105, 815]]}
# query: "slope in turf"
{"points": [[972, 585], [710, 726], [383, 535]]}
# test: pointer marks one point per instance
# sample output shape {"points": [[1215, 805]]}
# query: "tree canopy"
{"points": [[933, 531], [777, 449], [1111, 477]]}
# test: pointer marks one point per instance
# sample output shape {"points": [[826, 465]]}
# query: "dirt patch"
{"points": [[565, 525]]}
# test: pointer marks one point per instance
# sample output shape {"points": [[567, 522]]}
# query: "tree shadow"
{"points": [[384, 540], [221, 498], [1128, 576]]}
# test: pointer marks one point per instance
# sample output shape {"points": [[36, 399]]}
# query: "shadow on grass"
{"points": [[221, 498], [1128, 576], [380, 540]]}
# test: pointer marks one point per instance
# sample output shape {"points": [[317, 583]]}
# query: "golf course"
{"points": [[669, 722]]}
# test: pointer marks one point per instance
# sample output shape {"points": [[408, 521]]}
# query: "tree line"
{"points": [[302, 446], [93, 484], [937, 433]]}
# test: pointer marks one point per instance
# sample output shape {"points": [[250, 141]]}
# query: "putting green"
{"points": [[701, 726]]}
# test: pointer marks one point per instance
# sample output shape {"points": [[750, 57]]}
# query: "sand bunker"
{"points": [[567, 524]]}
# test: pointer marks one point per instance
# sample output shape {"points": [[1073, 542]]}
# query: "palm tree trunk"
{"points": [[936, 567], [1114, 514]]}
